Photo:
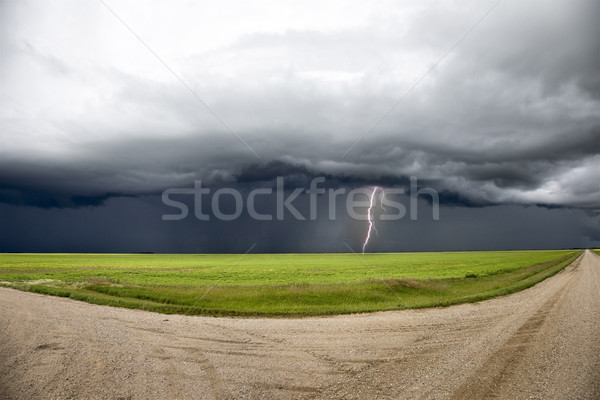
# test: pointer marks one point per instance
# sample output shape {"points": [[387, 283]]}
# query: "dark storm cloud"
{"points": [[135, 225], [511, 117], [45, 199]]}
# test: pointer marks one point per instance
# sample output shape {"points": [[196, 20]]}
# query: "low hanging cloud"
{"points": [[510, 116]]}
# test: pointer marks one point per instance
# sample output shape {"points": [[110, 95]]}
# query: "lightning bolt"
{"points": [[372, 227]]}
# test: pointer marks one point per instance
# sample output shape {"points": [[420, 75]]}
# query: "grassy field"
{"points": [[280, 284]]}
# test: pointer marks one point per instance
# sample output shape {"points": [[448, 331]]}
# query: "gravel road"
{"points": [[541, 343]]}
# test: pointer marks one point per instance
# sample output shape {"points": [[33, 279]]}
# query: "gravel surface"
{"points": [[541, 343]]}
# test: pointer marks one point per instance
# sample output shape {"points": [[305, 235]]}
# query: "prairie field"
{"points": [[281, 284]]}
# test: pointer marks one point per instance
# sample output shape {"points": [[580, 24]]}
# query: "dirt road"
{"points": [[541, 343]]}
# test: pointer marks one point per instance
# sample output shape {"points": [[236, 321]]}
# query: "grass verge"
{"points": [[119, 285]]}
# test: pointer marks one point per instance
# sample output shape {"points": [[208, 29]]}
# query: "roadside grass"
{"points": [[281, 284]]}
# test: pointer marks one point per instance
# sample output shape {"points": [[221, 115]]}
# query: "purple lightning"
{"points": [[370, 215]]}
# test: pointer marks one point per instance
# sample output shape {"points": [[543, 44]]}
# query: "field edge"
{"points": [[388, 294]]}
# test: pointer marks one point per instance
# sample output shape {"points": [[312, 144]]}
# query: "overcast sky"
{"points": [[496, 105]]}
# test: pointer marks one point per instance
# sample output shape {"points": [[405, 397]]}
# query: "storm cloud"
{"points": [[496, 105]]}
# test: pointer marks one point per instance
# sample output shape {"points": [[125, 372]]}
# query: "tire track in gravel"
{"points": [[499, 367]]}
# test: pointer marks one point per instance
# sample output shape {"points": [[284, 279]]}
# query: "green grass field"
{"points": [[281, 284]]}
